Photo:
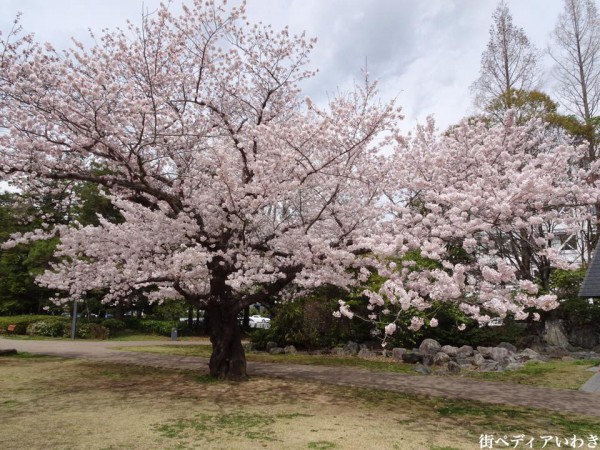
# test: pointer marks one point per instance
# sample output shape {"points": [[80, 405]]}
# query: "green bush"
{"points": [[160, 327], [308, 323], [260, 336], [21, 322], [114, 325], [574, 310], [131, 322], [50, 326]]}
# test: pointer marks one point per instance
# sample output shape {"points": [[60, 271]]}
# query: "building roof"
{"points": [[591, 283]]}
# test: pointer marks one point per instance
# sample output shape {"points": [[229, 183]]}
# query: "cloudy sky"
{"points": [[425, 53]]}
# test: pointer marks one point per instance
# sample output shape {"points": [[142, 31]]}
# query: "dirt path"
{"points": [[437, 386]]}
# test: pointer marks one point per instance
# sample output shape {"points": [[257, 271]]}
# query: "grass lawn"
{"points": [[300, 358], [555, 374], [48, 402]]}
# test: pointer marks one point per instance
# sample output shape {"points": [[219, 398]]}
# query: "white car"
{"points": [[257, 321]]}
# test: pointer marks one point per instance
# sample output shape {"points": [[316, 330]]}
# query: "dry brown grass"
{"points": [[52, 403]]}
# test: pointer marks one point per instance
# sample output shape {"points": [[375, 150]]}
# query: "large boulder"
{"points": [[351, 348], [397, 353], [484, 351], [450, 350], [412, 357], [428, 360], [420, 368], [440, 358], [454, 367], [498, 354], [554, 334], [508, 346], [465, 361], [271, 345], [490, 366], [429, 347], [366, 353], [528, 355], [290, 350], [478, 360], [464, 351]]}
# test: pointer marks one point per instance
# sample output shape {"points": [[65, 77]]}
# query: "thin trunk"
{"points": [[545, 269], [525, 255], [228, 359], [246, 322]]}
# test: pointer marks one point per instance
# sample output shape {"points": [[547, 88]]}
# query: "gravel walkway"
{"points": [[566, 401]]}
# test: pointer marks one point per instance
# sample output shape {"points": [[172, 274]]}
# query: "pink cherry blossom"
{"points": [[233, 187]]}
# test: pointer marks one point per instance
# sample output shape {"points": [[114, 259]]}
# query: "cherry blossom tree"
{"points": [[231, 188], [484, 202], [230, 185]]}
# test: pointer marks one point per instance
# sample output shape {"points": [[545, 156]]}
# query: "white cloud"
{"points": [[425, 53]]}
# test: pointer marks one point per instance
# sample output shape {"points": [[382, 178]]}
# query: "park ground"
{"points": [[49, 402]]}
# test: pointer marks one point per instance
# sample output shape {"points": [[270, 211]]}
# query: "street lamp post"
{"points": [[74, 321]]}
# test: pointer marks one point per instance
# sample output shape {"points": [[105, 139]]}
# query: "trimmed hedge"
{"points": [[161, 327], [21, 322], [50, 326], [54, 326]]}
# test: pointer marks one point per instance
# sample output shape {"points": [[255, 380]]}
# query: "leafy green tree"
{"points": [[19, 265], [527, 105]]}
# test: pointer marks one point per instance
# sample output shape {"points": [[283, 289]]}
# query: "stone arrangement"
{"points": [[431, 355]]}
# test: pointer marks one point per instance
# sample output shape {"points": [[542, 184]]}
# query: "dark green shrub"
{"points": [[308, 323], [574, 310], [92, 331], [169, 311], [114, 325], [132, 322], [260, 336], [160, 327]]}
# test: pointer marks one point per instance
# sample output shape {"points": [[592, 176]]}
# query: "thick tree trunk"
{"points": [[119, 313], [228, 359]]}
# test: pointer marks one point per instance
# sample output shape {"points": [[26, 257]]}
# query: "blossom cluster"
{"points": [[233, 187]]}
